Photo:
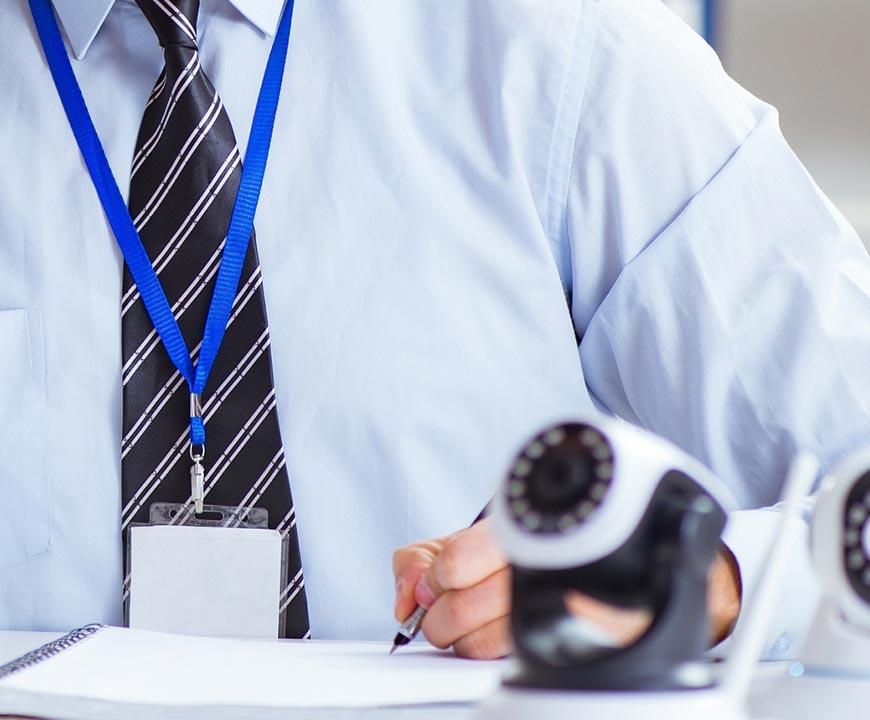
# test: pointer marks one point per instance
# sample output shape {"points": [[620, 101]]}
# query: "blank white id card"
{"points": [[214, 581]]}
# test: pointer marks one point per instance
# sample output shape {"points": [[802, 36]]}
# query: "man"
{"points": [[456, 194]]}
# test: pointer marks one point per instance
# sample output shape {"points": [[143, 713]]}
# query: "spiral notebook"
{"points": [[108, 672]]}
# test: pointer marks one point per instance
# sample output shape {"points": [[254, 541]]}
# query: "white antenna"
{"points": [[750, 636]]}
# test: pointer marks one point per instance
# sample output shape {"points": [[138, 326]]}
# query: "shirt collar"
{"points": [[82, 20]]}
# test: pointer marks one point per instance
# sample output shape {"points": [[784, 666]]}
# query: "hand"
{"points": [[464, 580], [724, 595], [626, 626]]}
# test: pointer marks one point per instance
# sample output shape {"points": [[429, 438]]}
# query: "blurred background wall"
{"points": [[811, 59]]}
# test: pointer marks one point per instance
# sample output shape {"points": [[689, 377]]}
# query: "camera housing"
{"points": [[577, 490], [605, 509], [840, 539], [833, 676]]}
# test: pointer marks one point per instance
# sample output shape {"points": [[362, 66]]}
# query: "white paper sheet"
{"points": [[156, 669]]}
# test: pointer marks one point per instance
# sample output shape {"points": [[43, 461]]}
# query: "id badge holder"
{"points": [[218, 574]]}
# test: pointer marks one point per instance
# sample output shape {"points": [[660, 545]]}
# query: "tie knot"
{"points": [[174, 21]]}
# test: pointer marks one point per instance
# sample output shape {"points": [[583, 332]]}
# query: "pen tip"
{"points": [[393, 649]]}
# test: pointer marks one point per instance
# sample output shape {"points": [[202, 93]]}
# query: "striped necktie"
{"points": [[184, 179]]}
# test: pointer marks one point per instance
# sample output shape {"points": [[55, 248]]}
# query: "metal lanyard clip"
{"points": [[197, 454]]}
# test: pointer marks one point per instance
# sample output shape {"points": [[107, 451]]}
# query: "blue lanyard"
{"points": [[241, 223]]}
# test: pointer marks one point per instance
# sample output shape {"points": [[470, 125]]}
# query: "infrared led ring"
{"points": [[560, 478], [856, 539]]}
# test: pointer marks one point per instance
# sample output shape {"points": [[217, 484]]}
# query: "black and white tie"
{"points": [[184, 178]]}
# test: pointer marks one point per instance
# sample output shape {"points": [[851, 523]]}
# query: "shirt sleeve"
{"points": [[721, 300]]}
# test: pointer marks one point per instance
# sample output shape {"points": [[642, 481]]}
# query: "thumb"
{"points": [[409, 565]]}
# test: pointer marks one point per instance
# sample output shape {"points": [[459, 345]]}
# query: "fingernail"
{"points": [[425, 597], [400, 584]]}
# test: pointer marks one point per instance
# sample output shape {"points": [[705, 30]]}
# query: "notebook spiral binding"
{"points": [[34, 657]]}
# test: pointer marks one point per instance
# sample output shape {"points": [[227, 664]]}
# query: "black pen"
{"points": [[409, 629]]}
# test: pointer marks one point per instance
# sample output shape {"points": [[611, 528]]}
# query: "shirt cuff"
{"points": [[748, 535]]}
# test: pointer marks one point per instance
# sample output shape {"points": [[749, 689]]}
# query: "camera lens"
{"points": [[560, 478]]}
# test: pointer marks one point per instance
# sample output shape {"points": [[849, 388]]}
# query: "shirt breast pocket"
{"points": [[25, 511]]}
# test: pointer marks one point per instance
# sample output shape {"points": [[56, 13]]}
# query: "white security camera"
{"points": [[832, 678], [608, 510], [598, 507], [840, 539]]}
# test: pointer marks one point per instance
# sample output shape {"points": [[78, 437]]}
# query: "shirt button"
{"points": [[783, 643]]}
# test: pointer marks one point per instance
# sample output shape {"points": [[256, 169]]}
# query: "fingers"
{"points": [[458, 614], [409, 564], [467, 558], [491, 641]]}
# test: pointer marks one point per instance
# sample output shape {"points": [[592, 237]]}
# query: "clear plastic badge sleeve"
{"points": [[219, 573]]}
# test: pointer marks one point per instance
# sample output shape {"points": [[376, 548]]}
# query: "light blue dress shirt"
{"points": [[457, 192]]}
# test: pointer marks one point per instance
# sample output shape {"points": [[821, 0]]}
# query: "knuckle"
{"points": [[409, 556], [399, 558], [484, 644], [449, 565], [502, 591], [471, 647], [457, 608], [436, 635]]}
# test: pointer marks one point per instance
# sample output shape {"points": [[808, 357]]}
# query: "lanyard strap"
{"points": [[241, 222]]}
